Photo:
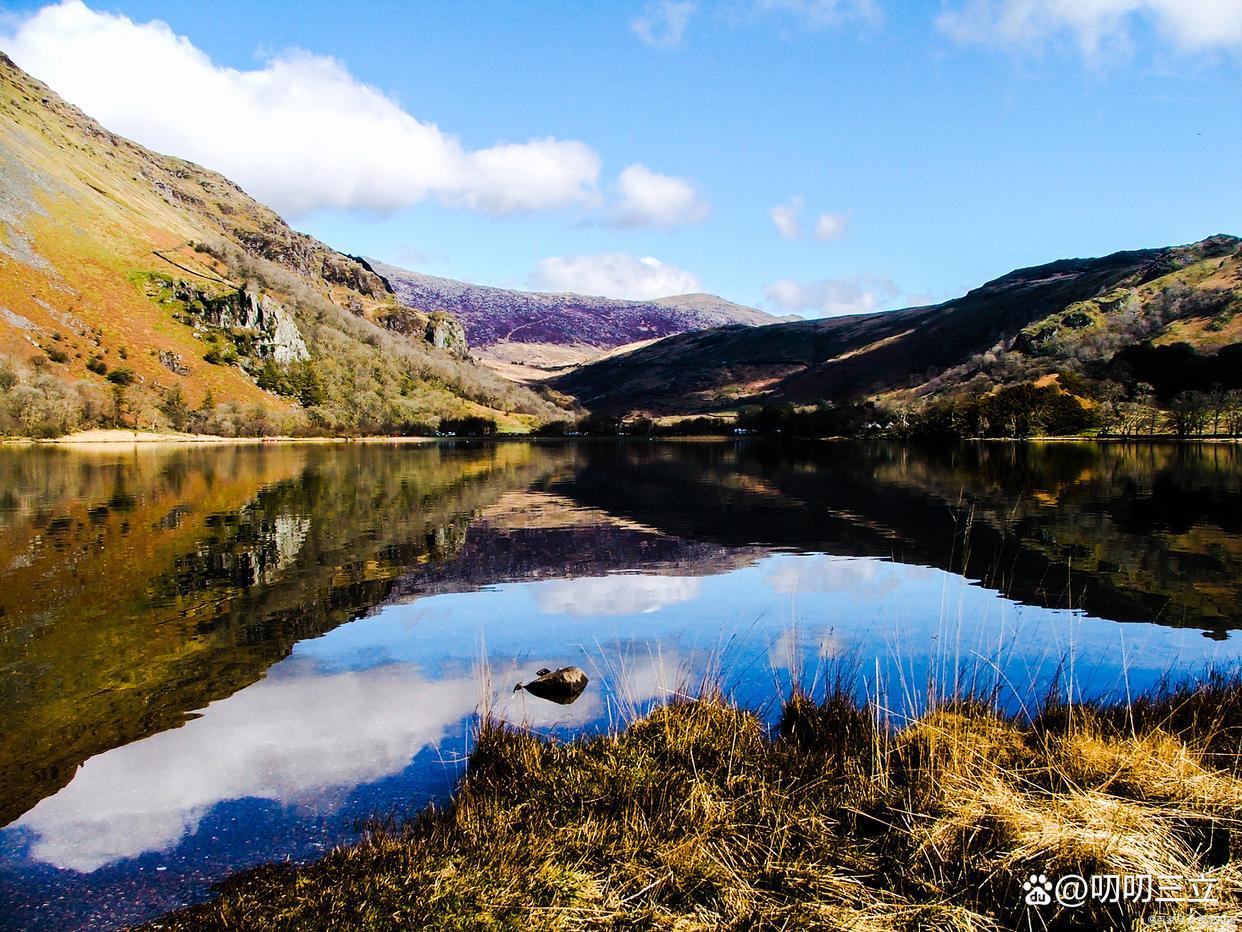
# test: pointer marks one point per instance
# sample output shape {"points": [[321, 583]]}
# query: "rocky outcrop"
{"points": [[445, 332], [441, 330], [259, 326], [278, 337], [350, 273], [403, 320], [275, 242], [172, 362]]}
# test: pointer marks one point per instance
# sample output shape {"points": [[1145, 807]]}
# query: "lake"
{"points": [[212, 657]]}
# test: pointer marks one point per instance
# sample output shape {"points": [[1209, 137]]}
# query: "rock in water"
{"points": [[563, 685]]}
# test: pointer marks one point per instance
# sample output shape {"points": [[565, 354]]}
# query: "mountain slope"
{"points": [[136, 288], [1022, 325], [551, 331]]}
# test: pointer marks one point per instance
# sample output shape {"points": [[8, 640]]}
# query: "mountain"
{"points": [[142, 290], [528, 335], [1075, 317]]}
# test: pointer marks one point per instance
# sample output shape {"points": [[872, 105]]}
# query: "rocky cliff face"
{"points": [[256, 326], [445, 332]]}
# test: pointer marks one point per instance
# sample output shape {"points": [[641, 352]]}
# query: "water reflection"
{"points": [[214, 657], [115, 628], [298, 738], [616, 595]]}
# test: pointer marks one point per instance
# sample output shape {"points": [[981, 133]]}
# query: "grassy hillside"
{"points": [[1076, 318], [142, 290]]}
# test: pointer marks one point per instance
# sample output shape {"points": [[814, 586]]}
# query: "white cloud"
{"points": [[649, 199], [833, 297], [1095, 25], [616, 595], [662, 24], [300, 133], [821, 14], [785, 218], [862, 577], [831, 226], [613, 275]]}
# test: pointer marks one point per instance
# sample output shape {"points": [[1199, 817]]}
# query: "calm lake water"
{"points": [[216, 657]]}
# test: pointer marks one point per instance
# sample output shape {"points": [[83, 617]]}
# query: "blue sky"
{"points": [[641, 148]]}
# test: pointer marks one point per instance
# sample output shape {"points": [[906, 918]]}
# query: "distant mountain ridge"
{"points": [[500, 322], [1031, 322]]}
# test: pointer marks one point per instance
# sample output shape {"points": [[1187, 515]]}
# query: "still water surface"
{"points": [[216, 657]]}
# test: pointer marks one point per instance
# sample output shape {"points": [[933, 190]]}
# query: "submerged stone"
{"points": [[563, 686]]}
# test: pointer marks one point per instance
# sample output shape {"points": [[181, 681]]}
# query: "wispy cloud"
{"points": [[833, 297], [1097, 27], [821, 14], [831, 226], [613, 275], [616, 595], [662, 24], [787, 218]]}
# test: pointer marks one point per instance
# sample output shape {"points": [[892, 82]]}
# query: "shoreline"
{"points": [[88, 438], [117, 437]]}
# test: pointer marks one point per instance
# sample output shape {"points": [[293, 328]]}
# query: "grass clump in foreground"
{"points": [[696, 817]]}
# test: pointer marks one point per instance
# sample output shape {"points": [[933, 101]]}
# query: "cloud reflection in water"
{"points": [[293, 739], [622, 594], [298, 738]]}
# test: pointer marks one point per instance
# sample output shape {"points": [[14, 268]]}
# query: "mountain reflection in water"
{"points": [[213, 657]]}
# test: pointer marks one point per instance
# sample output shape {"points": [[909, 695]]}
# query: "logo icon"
{"points": [[1038, 890]]}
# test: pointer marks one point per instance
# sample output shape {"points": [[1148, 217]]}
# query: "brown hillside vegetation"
{"points": [[694, 817], [141, 290]]}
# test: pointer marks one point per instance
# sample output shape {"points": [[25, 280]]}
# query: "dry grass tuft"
{"points": [[695, 817]]}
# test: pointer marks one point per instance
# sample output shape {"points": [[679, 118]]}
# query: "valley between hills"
{"points": [[142, 292]]}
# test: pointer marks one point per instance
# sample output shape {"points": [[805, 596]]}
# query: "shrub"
{"points": [[175, 408], [36, 404]]}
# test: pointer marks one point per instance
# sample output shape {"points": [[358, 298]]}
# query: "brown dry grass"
{"points": [[695, 816]]}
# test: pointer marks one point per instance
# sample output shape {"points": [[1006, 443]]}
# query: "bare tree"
{"points": [[1218, 402], [1233, 412], [1189, 414]]}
